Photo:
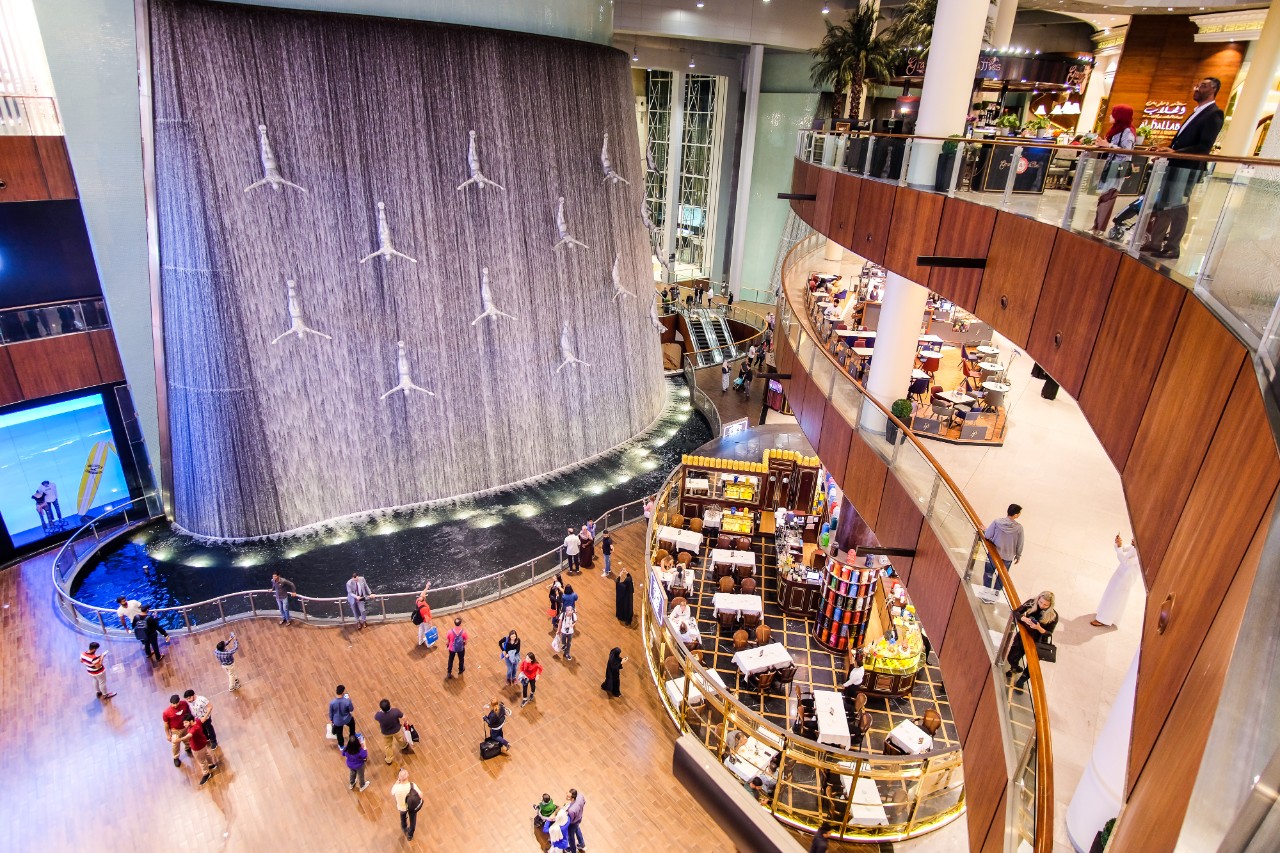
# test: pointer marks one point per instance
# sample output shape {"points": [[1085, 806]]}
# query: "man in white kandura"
{"points": [[297, 326], [562, 226], [566, 351], [1116, 595], [385, 249], [406, 383], [270, 168], [486, 300], [618, 289], [653, 314], [610, 174], [473, 164]]}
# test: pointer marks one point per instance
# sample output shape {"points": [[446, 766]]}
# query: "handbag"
{"points": [[413, 799], [328, 732], [407, 731], [1046, 649], [433, 634]]}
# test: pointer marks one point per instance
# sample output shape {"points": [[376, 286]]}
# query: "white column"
{"points": [[1002, 30], [1098, 87], [1257, 85], [675, 159], [1099, 794], [833, 252], [751, 109], [897, 333], [948, 81]]}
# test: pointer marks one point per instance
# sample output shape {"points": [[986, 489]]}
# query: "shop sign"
{"points": [[1164, 116], [733, 427]]}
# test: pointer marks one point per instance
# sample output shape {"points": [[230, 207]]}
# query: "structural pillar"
{"points": [[833, 252], [1237, 141], [1100, 792], [948, 81], [750, 111], [897, 334], [1002, 26], [675, 159]]}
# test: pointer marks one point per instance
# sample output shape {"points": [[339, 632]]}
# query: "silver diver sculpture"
{"points": [[653, 314], [562, 227], [486, 300], [567, 351], [270, 168], [297, 325], [618, 289], [406, 383], [385, 250], [610, 174], [649, 159], [473, 164]]}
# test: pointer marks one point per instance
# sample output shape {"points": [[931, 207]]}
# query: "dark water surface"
{"points": [[398, 551]]}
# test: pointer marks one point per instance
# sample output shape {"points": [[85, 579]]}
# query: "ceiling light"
{"points": [[635, 53], [826, 10], [1040, 110], [691, 63], [699, 4]]}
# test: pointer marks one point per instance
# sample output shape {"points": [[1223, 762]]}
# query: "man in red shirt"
{"points": [[199, 746], [95, 664], [175, 718]]}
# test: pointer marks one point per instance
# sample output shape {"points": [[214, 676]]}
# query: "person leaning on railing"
{"points": [[1040, 619]]}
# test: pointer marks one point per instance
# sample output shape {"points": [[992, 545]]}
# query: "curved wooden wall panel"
{"points": [[1173, 398]]}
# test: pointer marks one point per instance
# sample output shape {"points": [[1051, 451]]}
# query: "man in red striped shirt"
{"points": [[95, 664]]}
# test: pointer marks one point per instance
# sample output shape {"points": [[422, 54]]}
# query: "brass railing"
{"points": [[1024, 715], [869, 797]]}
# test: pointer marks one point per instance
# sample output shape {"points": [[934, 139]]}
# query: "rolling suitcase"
{"points": [[489, 748]]}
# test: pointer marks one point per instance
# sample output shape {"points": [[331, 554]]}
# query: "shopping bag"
{"points": [[555, 644], [407, 731], [432, 635], [328, 732], [413, 732]]}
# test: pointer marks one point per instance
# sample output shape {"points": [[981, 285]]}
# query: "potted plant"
{"points": [[901, 410], [1009, 122], [1144, 135], [1038, 125], [946, 162]]}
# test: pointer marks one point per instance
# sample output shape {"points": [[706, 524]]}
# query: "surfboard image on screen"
{"points": [[92, 478]]}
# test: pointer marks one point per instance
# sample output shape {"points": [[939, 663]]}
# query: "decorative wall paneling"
{"points": [[1016, 263], [916, 216], [833, 443], [964, 651], [1217, 521], [1069, 311], [1158, 792], [1181, 414], [35, 168], [783, 355], [359, 111], [898, 525], [826, 196], [50, 366], [1175, 402], [934, 582], [986, 776], [10, 390], [56, 165], [1130, 347], [815, 410], [996, 833], [871, 227], [864, 479], [844, 209], [106, 355], [963, 232]]}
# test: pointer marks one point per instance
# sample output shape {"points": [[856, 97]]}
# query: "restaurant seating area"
{"points": [[957, 390]]}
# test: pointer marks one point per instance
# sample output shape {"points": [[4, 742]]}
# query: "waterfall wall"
{"points": [[273, 433]]}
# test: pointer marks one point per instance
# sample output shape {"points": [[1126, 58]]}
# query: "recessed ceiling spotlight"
{"points": [[699, 4], [635, 53], [826, 10], [692, 64]]}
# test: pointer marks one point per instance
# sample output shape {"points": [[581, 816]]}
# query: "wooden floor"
{"points": [[86, 775]]}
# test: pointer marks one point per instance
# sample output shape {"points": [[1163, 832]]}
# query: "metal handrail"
{"points": [[1011, 141], [73, 608], [1044, 751]]}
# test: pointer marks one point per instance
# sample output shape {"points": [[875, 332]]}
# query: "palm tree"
{"points": [[912, 24], [852, 52]]}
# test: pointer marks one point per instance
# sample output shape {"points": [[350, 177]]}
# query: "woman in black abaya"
{"points": [[613, 673], [624, 592]]}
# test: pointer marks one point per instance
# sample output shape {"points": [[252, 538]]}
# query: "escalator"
{"points": [[702, 321], [724, 337]]}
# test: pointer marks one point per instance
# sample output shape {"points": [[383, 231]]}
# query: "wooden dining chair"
{"points": [[726, 583], [677, 521], [684, 558], [751, 620], [749, 586], [728, 620], [762, 636], [695, 524], [724, 542], [739, 640], [744, 543], [661, 555], [763, 681], [679, 591], [671, 668], [931, 722]]}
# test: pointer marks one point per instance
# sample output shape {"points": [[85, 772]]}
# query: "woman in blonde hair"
{"points": [[1040, 619]]}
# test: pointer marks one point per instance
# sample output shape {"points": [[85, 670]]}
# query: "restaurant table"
{"points": [[751, 760], [956, 398], [998, 387], [910, 738], [866, 808], [917, 373], [711, 518], [736, 602], [833, 725], [930, 353], [850, 333], [863, 352], [686, 540], [991, 366], [761, 658], [930, 339], [675, 688], [669, 577], [697, 485], [986, 350], [726, 557]]}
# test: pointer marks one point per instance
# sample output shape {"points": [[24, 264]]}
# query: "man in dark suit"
{"points": [[1196, 136]]}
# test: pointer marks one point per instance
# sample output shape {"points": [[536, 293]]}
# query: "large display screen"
{"points": [[45, 254], [58, 468]]}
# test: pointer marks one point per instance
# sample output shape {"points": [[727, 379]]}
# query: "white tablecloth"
{"points": [[911, 738], [693, 485], [750, 760], [833, 725], [772, 656], [732, 602], [686, 540], [722, 556], [867, 809], [711, 518], [670, 577], [675, 688]]}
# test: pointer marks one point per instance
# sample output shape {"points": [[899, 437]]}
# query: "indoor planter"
{"points": [[946, 162], [901, 410]]}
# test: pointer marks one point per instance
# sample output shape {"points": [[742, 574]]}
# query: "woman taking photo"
{"points": [[530, 672], [509, 647], [1115, 167], [424, 614], [567, 621], [613, 673], [554, 596], [1040, 619]]}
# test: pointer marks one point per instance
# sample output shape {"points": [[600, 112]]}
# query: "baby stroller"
{"points": [[1123, 221]]}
